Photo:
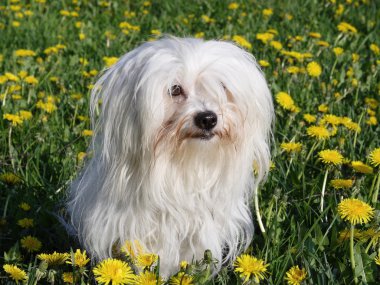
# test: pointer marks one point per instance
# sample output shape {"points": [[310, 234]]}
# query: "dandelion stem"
{"points": [[357, 130], [324, 188], [352, 252], [11, 149], [376, 194], [333, 68], [290, 164], [313, 147], [5, 96], [257, 210]]}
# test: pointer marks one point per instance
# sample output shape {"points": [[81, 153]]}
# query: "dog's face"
{"points": [[173, 94], [199, 111]]}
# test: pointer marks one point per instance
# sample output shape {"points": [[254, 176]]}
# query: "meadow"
{"points": [[317, 216]]}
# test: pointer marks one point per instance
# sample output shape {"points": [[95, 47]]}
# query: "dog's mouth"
{"points": [[206, 135]]}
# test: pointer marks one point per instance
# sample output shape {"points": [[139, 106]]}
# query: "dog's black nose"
{"points": [[206, 120]]}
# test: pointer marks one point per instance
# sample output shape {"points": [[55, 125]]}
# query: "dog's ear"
{"points": [[246, 86]]}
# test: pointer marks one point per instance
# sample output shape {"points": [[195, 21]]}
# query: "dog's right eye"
{"points": [[176, 90]]}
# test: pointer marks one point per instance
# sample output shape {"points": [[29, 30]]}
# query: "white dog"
{"points": [[181, 122]]}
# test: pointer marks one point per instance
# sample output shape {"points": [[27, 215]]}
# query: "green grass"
{"points": [[43, 151]]}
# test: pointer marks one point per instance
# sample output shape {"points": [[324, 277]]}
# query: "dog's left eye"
{"points": [[176, 90]]}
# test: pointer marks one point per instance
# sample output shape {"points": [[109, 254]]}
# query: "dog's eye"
{"points": [[176, 90]]}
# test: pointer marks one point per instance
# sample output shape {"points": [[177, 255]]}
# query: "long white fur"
{"points": [[148, 179]]}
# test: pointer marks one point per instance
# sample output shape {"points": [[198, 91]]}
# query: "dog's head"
{"points": [[174, 94]]}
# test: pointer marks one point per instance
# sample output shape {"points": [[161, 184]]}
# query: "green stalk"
{"points": [[356, 132], [10, 149], [290, 164], [376, 193], [257, 210], [324, 188], [352, 252]]}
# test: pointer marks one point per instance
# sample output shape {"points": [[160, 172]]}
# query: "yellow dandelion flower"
{"points": [[372, 234], [181, 279], [377, 259], [374, 157], [338, 51], [344, 235], [276, 45], [15, 273], [10, 178], [24, 53], [146, 260], [371, 102], [293, 69], [345, 27], [361, 167], [68, 277], [64, 13], [372, 121], [286, 101], [54, 258], [16, 24], [31, 243], [342, 183], [349, 124], [323, 108], [371, 113], [81, 155], [11, 77], [315, 35], [113, 271], [132, 248], [87, 133], [148, 278], [155, 32], [330, 156], [295, 275], [233, 6], [26, 223], [83, 118], [267, 12], [78, 24], [374, 48], [241, 41], [249, 266], [3, 79], [332, 119], [48, 106], [31, 80], [291, 147], [207, 19], [16, 97], [323, 43], [318, 132], [264, 37], [25, 115], [199, 35], [183, 264], [263, 63], [310, 118], [78, 258], [355, 211], [24, 206], [314, 69], [355, 57], [109, 61], [16, 120]]}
